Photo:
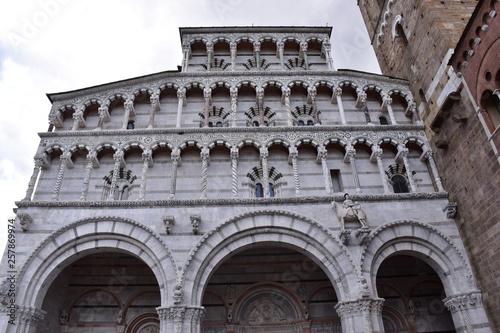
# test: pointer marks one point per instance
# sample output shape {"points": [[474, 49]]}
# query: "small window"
{"points": [[256, 123], [266, 123], [383, 121], [210, 124], [491, 104], [259, 190], [399, 184], [130, 125], [336, 180], [310, 123], [271, 190], [300, 123], [219, 124]]}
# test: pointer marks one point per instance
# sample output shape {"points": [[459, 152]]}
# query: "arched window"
{"points": [[256, 123], [399, 184], [131, 124], [259, 190], [383, 120], [491, 104], [219, 124], [310, 122], [300, 123], [271, 190]]}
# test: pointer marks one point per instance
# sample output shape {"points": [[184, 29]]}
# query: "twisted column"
{"points": [[351, 155], [205, 161], [388, 104], [327, 47], [312, 95], [293, 157], [264, 154], [176, 160], [39, 163], [403, 153], [256, 50], [377, 152], [234, 171], [260, 104], [233, 91], [285, 93], [119, 161], [65, 158], [186, 49], [321, 158], [281, 47], [303, 50], [337, 93], [91, 162], [78, 120], [129, 109], [207, 95], [210, 54], [147, 161], [430, 157], [103, 112], [181, 95], [233, 48]]}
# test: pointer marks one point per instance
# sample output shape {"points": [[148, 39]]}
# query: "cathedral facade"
{"points": [[254, 189]]}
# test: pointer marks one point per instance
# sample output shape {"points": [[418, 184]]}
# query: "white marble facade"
{"points": [[210, 199]]}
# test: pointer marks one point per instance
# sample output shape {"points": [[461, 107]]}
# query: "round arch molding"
{"points": [[422, 241], [269, 227], [88, 236]]}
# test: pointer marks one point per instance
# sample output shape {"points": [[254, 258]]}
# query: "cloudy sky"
{"points": [[49, 46]]}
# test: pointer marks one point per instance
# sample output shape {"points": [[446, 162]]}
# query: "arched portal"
{"points": [[413, 295], [270, 288], [109, 291]]}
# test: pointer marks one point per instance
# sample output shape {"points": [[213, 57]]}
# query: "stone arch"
{"points": [[217, 142], [272, 83], [197, 39], [50, 148], [324, 83], [301, 141], [248, 142], [72, 149], [362, 141], [166, 85], [244, 39], [194, 84], [87, 236], [246, 83], [133, 144], [388, 140], [157, 144], [298, 83], [191, 143], [277, 141], [216, 84], [424, 242], [106, 145], [335, 140], [405, 94], [418, 141], [265, 226], [268, 39]]}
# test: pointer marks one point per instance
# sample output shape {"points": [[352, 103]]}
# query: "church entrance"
{"points": [[269, 289], [103, 292], [413, 295]]}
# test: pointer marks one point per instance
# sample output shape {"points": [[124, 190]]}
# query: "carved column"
{"points": [[361, 315], [256, 50], [39, 163], [327, 47], [176, 161], [336, 98], [285, 93], [181, 95], [260, 104], [311, 91], [387, 103], [321, 158], [207, 95], [234, 171], [468, 312], [210, 55], [91, 163], [377, 153], [103, 112], [411, 110], [233, 48], [186, 51], [233, 91], [29, 319], [129, 111], [264, 154], [205, 161], [281, 46], [147, 161], [155, 107], [292, 158], [430, 158], [351, 156], [303, 51], [78, 119], [403, 154], [65, 160], [119, 162]]}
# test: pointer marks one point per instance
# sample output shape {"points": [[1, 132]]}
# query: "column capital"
{"points": [[233, 91], [205, 153], [285, 91], [154, 99], [337, 91], [256, 46], [470, 300], [176, 155], [280, 45], [303, 46], [29, 317], [233, 46], [235, 153], [210, 47], [322, 154], [358, 307], [207, 93], [147, 156], [181, 93], [361, 100], [264, 152]]}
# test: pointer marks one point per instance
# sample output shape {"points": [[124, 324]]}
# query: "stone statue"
{"points": [[350, 211]]}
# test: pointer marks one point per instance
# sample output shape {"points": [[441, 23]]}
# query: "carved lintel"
{"points": [[195, 223], [169, 222], [24, 220], [451, 209]]}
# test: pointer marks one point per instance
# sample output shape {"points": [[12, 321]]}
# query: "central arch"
{"points": [[279, 228]]}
